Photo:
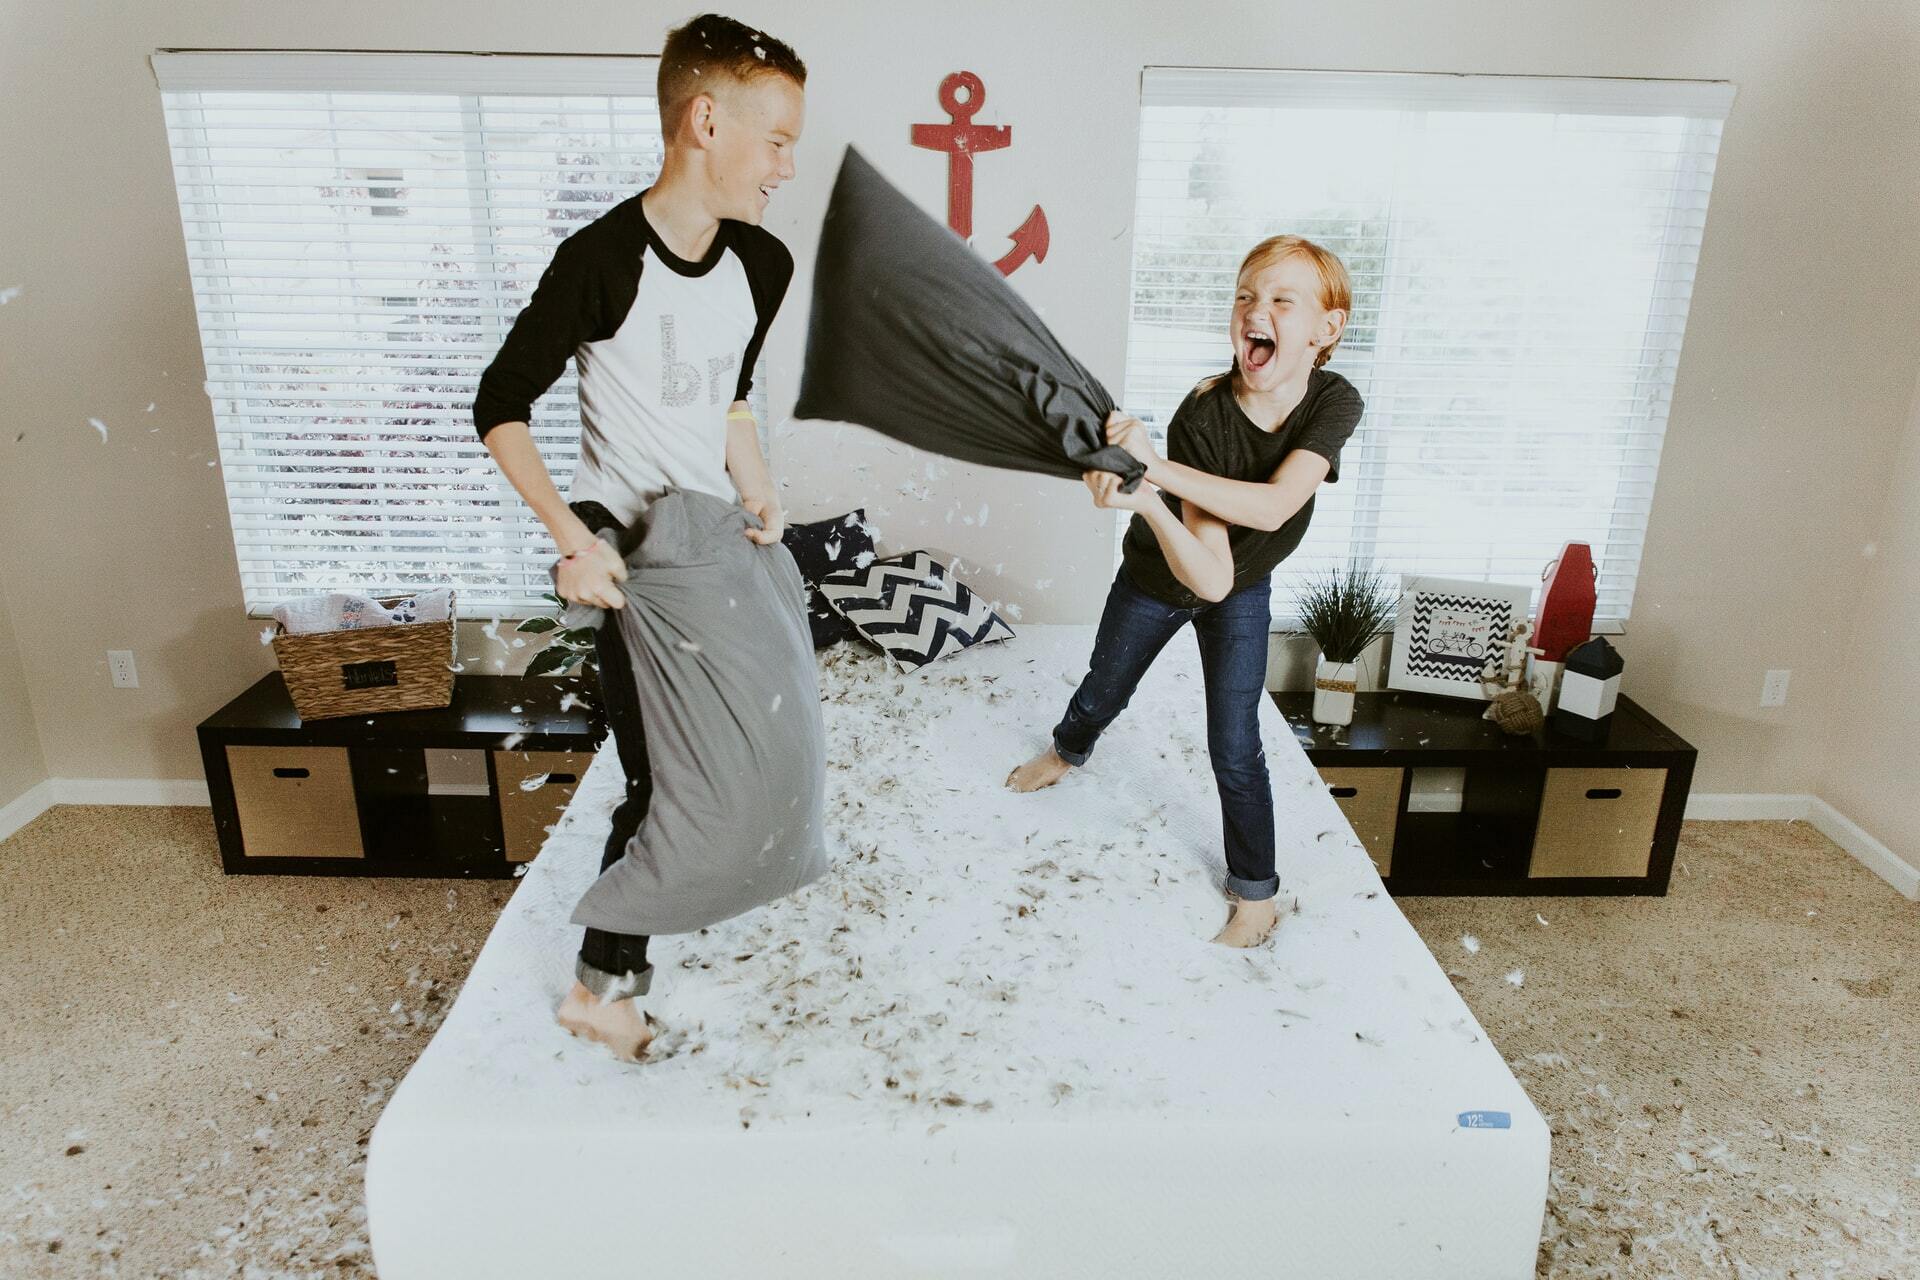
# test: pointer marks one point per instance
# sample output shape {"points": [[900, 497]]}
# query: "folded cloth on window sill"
{"points": [[348, 611]]}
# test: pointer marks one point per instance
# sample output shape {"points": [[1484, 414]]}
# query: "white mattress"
{"points": [[993, 1041]]}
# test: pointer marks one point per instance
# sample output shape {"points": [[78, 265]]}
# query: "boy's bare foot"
{"points": [[618, 1024], [1043, 770], [1251, 924]]}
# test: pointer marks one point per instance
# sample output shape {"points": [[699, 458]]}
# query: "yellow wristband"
{"points": [[744, 414]]}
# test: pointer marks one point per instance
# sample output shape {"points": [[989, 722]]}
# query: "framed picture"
{"points": [[1449, 629]]}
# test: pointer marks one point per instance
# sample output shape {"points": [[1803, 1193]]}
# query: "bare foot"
{"points": [[1252, 923], [1043, 770], [618, 1024]]}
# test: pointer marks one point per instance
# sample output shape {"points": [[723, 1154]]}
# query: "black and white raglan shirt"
{"points": [[663, 346]]}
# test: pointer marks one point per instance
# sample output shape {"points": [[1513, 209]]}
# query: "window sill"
{"points": [[1291, 628]]}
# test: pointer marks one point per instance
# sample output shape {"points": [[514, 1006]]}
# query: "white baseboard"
{"points": [[1873, 855], [1824, 818], [181, 791], [43, 796], [1747, 808], [19, 812]]}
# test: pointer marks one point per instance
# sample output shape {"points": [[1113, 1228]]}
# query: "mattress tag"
{"points": [[1486, 1120]]}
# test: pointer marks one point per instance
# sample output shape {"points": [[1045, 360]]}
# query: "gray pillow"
{"points": [[715, 628]]}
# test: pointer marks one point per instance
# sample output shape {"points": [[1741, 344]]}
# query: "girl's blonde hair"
{"points": [[1336, 286]]}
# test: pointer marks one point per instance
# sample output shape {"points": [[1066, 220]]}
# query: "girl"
{"points": [[1245, 452]]}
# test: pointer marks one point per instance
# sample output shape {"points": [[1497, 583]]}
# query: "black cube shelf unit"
{"points": [[1537, 814], [468, 789]]}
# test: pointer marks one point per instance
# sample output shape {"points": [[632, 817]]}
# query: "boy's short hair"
{"points": [[1336, 286], [710, 51]]}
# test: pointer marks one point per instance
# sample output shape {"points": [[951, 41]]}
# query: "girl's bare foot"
{"points": [[1251, 924], [1043, 770], [620, 1025]]}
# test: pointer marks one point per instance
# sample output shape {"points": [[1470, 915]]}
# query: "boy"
{"points": [[663, 302]]}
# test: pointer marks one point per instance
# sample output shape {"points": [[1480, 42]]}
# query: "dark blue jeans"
{"points": [[1134, 628]]}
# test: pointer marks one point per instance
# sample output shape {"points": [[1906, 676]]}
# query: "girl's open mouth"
{"points": [[1259, 351]]}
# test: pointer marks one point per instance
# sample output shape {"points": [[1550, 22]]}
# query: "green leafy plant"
{"points": [[568, 649], [1345, 612]]}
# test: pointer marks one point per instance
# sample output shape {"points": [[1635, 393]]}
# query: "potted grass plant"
{"points": [[1344, 612]]}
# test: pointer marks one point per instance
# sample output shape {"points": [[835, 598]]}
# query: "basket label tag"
{"points": [[368, 675]]}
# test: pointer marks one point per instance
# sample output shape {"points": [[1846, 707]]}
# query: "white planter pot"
{"points": [[1333, 687]]}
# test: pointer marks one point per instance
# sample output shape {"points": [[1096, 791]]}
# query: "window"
{"points": [[1522, 253], [362, 230]]}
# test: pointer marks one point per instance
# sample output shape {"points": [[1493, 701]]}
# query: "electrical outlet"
{"points": [[120, 663], [1773, 690]]}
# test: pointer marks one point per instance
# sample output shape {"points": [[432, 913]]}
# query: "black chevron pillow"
{"points": [[913, 607]]}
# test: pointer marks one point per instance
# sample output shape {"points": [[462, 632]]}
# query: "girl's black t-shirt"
{"points": [[1210, 432]]}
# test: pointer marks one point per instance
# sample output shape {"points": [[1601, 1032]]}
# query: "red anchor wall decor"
{"points": [[961, 96]]}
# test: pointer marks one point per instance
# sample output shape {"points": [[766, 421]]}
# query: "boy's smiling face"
{"points": [[1279, 325], [749, 137]]}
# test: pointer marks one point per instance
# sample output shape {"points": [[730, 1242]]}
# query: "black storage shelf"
{"points": [[376, 788], [1519, 794]]}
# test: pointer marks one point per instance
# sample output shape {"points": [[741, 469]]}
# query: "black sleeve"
{"points": [[1332, 422], [769, 271], [564, 312], [1188, 442]]}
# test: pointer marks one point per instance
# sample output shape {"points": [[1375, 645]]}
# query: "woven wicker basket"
{"points": [[366, 669]]}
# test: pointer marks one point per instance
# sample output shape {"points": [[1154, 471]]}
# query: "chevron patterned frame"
{"points": [[1447, 629], [913, 607]]}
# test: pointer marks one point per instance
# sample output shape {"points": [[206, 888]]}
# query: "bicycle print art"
{"points": [[1449, 630]]}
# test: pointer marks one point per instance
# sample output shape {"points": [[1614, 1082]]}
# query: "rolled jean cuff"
{"points": [[613, 986], [1074, 758], [1253, 890]]}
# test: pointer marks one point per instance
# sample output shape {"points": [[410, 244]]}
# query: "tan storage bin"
{"points": [[526, 814], [295, 802], [404, 667], [1371, 800], [1597, 822]]}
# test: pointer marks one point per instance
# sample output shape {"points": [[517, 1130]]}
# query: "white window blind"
{"points": [[362, 230], [1522, 252]]}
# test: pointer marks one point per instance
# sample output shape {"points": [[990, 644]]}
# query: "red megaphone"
{"points": [[1565, 616]]}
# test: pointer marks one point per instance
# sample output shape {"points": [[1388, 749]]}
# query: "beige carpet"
{"points": [[190, 1063]]}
